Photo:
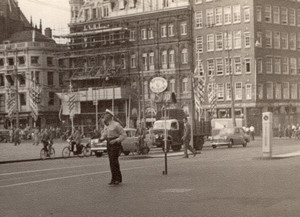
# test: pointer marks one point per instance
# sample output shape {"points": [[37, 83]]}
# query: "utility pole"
{"points": [[17, 89]]}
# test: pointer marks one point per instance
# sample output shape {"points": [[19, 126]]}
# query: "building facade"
{"points": [[252, 46], [117, 47], [28, 80]]}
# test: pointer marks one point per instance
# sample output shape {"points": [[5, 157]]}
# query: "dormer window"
{"points": [[34, 60]]}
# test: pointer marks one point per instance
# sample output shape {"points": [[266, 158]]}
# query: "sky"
{"points": [[54, 13]]}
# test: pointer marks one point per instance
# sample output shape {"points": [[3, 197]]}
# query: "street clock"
{"points": [[158, 84]]}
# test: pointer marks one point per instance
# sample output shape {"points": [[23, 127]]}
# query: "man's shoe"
{"points": [[185, 157], [116, 182], [111, 183], [195, 153]]}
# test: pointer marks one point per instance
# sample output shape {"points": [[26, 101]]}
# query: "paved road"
{"points": [[222, 182]]}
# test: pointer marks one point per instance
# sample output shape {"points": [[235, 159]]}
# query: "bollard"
{"points": [[267, 134]]}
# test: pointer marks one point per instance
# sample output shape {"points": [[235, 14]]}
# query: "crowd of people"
{"points": [[291, 131]]}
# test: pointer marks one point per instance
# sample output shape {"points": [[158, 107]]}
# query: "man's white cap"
{"points": [[109, 112]]}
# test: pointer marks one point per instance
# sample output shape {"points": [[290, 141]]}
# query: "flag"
{"points": [[60, 111], [199, 87], [72, 102], [11, 103], [212, 96], [34, 100]]}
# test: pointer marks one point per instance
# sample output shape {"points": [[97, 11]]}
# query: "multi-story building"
{"points": [[117, 47], [252, 46], [28, 70]]}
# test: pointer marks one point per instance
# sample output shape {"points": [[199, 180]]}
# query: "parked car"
{"points": [[98, 148], [4, 135], [230, 136]]}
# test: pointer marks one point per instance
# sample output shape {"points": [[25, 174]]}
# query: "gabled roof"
{"points": [[27, 36]]}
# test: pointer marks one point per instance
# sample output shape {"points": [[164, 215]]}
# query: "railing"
{"points": [[30, 44]]}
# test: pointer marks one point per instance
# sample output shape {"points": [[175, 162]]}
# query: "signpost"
{"points": [[158, 85]]}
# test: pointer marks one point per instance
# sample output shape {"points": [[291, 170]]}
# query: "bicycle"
{"points": [[46, 153], [81, 150]]}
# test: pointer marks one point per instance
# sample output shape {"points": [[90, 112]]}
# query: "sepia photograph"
{"points": [[149, 108]]}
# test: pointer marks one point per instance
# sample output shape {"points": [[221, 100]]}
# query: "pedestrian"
{"points": [[252, 132], [114, 134], [11, 135], [36, 136], [17, 139], [187, 138]]}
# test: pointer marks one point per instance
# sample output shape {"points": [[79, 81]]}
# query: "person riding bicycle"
{"points": [[46, 140], [76, 140]]}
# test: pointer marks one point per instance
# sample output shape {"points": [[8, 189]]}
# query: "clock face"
{"points": [[158, 84]]}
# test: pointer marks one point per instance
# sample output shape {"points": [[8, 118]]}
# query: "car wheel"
{"points": [[176, 148], [214, 146], [145, 150], [230, 144], [99, 154], [126, 152], [245, 144]]}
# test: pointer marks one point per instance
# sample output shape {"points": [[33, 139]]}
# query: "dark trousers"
{"points": [[187, 147], [113, 155]]}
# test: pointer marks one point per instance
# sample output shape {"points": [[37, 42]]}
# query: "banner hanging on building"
{"points": [[34, 100]]}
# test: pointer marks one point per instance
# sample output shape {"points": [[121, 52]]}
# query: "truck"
{"points": [[175, 129]]}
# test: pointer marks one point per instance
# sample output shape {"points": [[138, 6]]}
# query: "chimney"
{"points": [[33, 35], [48, 32]]}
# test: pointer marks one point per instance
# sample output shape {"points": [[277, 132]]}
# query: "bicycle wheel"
{"points": [[52, 153], [66, 152], [82, 152], [43, 154], [87, 151]]}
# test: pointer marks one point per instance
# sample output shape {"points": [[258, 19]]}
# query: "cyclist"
{"points": [[46, 140], [76, 140]]}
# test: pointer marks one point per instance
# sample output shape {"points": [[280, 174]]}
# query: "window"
{"points": [[228, 66], [277, 40], [228, 91], [269, 69], [51, 98], [227, 15], [22, 99], [236, 13], [228, 40], [218, 16], [50, 78], [237, 40], [1, 62], [49, 61], [238, 91], [172, 59], [248, 91], [150, 33], [258, 14], [164, 61], [294, 91], [259, 64], [246, 14], [210, 42], [172, 85], [151, 61], [184, 56], [285, 65], [298, 41], [276, 15], [2, 102], [292, 40], [132, 35], [298, 17], [269, 86], [260, 91], [209, 17], [22, 79], [2, 82], [211, 67], [284, 16], [237, 65], [133, 61], [219, 66], [199, 44], [284, 40], [292, 17], [183, 28], [21, 60], [144, 34], [145, 61], [268, 39], [298, 66], [278, 91], [219, 41], [60, 79], [123, 61], [286, 90], [259, 39], [247, 39], [293, 66], [268, 14], [163, 31], [220, 92], [198, 20], [146, 92], [185, 84], [105, 11], [11, 61], [171, 30], [277, 65], [247, 65]]}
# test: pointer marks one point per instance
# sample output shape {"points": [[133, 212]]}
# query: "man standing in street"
{"points": [[252, 132], [187, 138], [114, 134]]}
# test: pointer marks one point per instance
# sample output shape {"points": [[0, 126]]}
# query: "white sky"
{"points": [[54, 13]]}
